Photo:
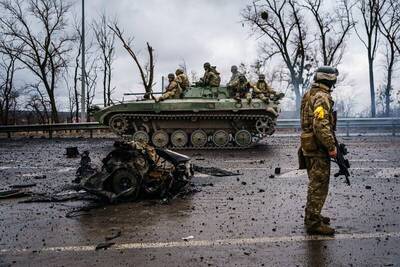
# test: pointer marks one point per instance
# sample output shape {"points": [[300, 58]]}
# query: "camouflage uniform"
{"points": [[265, 92], [316, 140], [235, 75], [173, 89], [211, 76], [182, 79], [241, 88]]}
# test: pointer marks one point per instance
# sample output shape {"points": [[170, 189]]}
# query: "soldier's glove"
{"points": [[333, 153]]}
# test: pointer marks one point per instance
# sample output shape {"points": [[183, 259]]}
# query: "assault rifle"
{"points": [[340, 160]]}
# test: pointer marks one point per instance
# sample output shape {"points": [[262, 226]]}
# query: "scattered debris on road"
{"points": [[16, 186], [213, 171], [105, 245], [115, 233], [72, 152], [39, 177], [187, 238], [15, 193]]}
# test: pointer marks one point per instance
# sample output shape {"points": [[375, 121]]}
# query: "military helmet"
{"points": [[261, 77], [171, 76], [207, 65], [234, 68], [179, 71], [326, 75]]}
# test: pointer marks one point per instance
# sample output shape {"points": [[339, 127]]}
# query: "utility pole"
{"points": [[83, 76]]}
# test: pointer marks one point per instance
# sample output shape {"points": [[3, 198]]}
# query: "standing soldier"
{"points": [[318, 146], [182, 79], [211, 76], [235, 75], [173, 89], [265, 92]]}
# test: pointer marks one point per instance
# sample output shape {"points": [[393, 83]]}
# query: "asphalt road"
{"points": [[254, 219]]}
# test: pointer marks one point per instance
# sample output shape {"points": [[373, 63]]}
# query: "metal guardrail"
{"points": [[392, 124], [50, 128]]}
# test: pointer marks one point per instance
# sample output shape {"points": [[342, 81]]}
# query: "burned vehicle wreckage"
{"points": [[132, 168]]}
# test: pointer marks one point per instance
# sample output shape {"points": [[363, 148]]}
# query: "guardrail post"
{"points": [[393, 128], [347, 128], [9, 135], [91, 133]]}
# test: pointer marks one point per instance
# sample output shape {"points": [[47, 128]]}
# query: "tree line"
{"points": [[38, 37]]}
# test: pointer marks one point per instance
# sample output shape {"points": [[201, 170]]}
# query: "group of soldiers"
{"points": [[178, 83], [244, 89], [238, 84]]}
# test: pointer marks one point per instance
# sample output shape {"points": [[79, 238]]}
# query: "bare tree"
{"points": [[91, 79], [390, 29], [345, 106], [194, 76], [282, 24], [8, 91], [105, 39], [183, 66], [146, 72], [36, 31], [73, 73], [333, 28], [38, 103], [369, 11]]}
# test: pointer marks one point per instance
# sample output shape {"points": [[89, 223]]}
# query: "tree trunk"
{"points": [[372, 86], [109, 85], [6, 111], [105, 84], [296, 89], [54, 112], [388, 89]]}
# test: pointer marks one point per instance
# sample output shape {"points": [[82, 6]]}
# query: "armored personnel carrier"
{"points": [[204, 117]]}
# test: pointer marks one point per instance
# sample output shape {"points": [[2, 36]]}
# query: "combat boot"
{"points": [[321, 229], [325, 220]]}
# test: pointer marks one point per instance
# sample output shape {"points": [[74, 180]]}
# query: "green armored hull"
{"points": [[203, 118]]}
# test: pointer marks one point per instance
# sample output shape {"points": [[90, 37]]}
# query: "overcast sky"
{"points": [[202, 30]]}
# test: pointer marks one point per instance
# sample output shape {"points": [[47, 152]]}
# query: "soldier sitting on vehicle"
{"points": [[241, 89], [265, 92], [235, 75], [182, 80], [173, 89], [211, 76]]}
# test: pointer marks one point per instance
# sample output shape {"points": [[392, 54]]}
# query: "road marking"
{"points": [[368, 160], [243, 161], [212, 243], [296, 169]]}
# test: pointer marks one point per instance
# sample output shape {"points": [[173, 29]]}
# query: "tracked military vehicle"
{"points": [[204, 117]]}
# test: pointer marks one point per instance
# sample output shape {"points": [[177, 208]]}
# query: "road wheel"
{"points": [[141, 136], [179, 138], [221, 138], [160, 138], [198, 138], [243, 138]]}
